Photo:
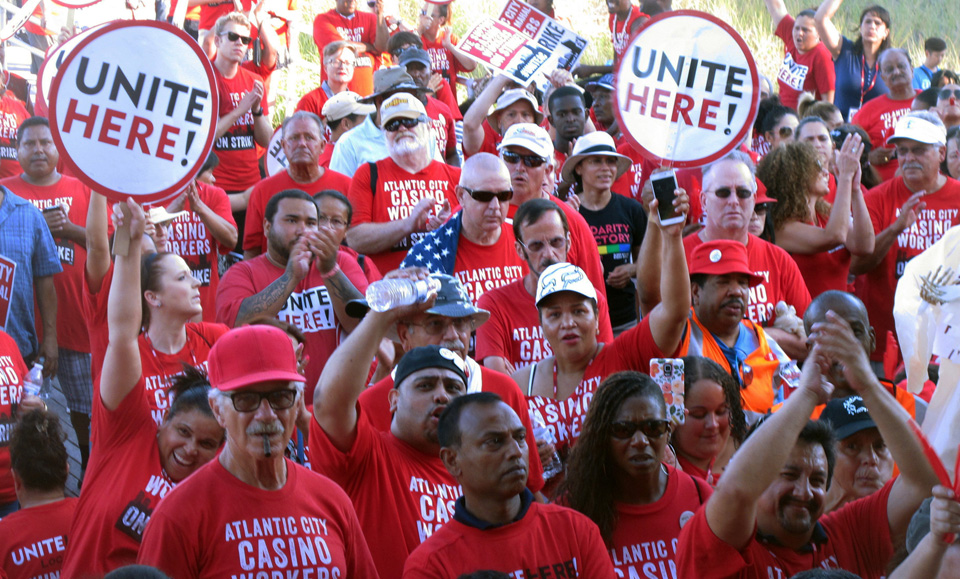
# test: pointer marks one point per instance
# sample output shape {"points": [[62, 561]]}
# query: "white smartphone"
{"points": [[664, 187]]}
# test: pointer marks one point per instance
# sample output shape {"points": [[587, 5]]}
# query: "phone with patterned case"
{"points": [[668, 374]]}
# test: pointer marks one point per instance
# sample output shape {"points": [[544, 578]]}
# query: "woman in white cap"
{"points": [[618, 223], [134, 462]]}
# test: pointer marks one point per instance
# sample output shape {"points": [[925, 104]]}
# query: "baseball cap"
{"points": [[605, 81], [452, 301], [401, 105], [564, 277], [344, 104], [414, 54], [160, 215], [508, 98], [529, 136], [429, 357], [390, 80], [762, 196], [920, 130], [721, 257], [848, 416], [251, 355]]}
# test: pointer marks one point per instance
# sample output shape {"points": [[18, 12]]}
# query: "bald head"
{"points": [[485, 171], [847, 306]]}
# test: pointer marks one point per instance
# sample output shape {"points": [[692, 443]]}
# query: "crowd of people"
{"points": [[242, 410]]}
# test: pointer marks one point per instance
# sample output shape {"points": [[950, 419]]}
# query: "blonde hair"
{"points": [[235, 17]]}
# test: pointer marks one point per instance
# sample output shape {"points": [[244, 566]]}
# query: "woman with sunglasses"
{"points": [[778, 127], [134, 463], [617, 476], [714, 424], [819, 237], [617, 222], [560, 387]]}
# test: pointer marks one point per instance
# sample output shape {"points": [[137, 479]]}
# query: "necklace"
{"points": [[555, 389]]}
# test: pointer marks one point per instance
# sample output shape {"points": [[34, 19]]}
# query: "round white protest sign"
{"points": [[132, 126], [75, 3], [52, 63], [687, 89], [276, 158]]}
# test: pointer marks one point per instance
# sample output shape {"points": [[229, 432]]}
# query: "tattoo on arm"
{"points": [[342, 289], [267, 302]]}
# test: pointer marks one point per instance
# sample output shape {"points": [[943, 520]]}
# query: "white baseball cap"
{"points": [[529, 136], [344, 104], [401, 105], [564, 277], [920, 130]]}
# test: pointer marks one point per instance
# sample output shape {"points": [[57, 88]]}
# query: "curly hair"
{"points": [[696, 368], [787, 172], [588, 486], [37, 452]]}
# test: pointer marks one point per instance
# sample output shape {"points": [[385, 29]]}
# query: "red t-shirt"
{"points": [[810, 72], [513, 331], [402, 495], [12, 372], [447, 96], [74, 196], [826, 270], [308, 528], [12, 113], [583, 249], [210, 13], [33, 541], [441, 59], [123, 484], [442, 127], [620, 33], [481, 268], [238, 168], [158, 368], [309, 306], [188, 237], [326, 155], [631, 183], [375, 403], [549, 541], [360, 27], [631, 350], [491, 139], [781, 278], [857, 539], [878, 117], [253, 234], [397, 193], [884, 201], [645, 538]]}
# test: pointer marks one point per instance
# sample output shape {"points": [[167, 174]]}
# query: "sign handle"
{"points": [[71, 18], [121, 238]]}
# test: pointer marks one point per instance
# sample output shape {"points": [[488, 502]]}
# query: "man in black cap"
{"points": [[416, 61]]}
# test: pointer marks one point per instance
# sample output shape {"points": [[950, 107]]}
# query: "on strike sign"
{"points": [[132, 126], [687, 89]]}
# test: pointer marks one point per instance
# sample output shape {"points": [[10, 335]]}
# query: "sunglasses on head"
{"points": [[233, 37], [394, 124], [487, 196], [947, 93], [742, 192], [531, 161], [625, 429]]}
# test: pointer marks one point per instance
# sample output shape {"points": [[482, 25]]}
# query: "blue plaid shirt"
{"points": [[25, 240]]}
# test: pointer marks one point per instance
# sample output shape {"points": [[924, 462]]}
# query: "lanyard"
{"points": [[872, 78]]}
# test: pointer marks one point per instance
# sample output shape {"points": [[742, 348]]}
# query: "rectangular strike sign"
{"points": [[8, 273]]}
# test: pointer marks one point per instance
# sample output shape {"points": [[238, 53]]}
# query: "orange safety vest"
{"points": [[760, 392]]}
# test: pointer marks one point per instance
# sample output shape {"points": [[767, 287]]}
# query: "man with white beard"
{"points": [[398, 199]]}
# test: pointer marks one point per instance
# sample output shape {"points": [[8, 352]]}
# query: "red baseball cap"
{"points": [[251, 355], [722, 257]]}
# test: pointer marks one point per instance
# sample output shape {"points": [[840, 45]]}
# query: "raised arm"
{"points": [[98, 245], [732, 510], [829, 35], [927, 559], [860, 238], [885, 239], [669, 318], [649, 258], [777, 10], [121, 364], [477, 113]]}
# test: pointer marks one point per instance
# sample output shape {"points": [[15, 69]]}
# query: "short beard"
{"points": [[411, 154]]}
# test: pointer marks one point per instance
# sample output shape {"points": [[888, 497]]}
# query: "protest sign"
{"points": [[17, 21], [687, 89], [276, 158], [524, 43], [50, 66], [130, 126], [8, 272]]}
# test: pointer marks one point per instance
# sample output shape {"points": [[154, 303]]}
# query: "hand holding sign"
{"points": [[135, 127]]}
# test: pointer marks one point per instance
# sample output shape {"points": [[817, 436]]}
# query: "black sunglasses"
{"points": [[785, 132], [394, 124], [487, 196], [233, 37], [250, 401], [625, 429], [742, 192], [531, 161], [947, 93]]}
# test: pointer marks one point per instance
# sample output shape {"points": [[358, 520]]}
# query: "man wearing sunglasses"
{"points": [[400, 198], [255, 500], [948, 105], [473, 244]]}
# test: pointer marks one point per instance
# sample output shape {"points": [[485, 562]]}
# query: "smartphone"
{"points": [[668, 374], [664, 187], [52, 208]]}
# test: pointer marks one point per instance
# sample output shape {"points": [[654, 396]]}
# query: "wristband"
{"points": [[331, 273], [258, 112]]}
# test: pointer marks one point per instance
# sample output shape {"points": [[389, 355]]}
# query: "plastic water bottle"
{"points": [[33, 381], [541, 432], [387, 294]]}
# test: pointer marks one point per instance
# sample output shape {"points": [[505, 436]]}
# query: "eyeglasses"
{"points": [[438, 326], [488, 196], [341, 63], [531, 161], [323, 220], [625, 429], [947, 93], [786, 132], [393, 125], [250, 401], [724, 192], [538, 246], [233, 37]]}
